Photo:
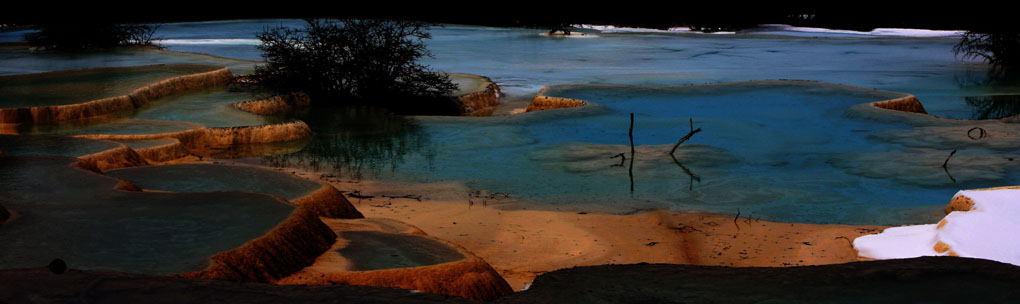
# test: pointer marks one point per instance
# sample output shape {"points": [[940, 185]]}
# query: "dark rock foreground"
{"points": [[918, 280]]}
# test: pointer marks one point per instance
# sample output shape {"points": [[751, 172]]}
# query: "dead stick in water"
{"points": [[946, 163], [408, 196], [735, 219], [685, 138], [631, 169], [623, 159]]}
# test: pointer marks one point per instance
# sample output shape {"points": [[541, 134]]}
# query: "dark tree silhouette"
{"points": [[82, 36], [352, 61], [1001, 49]]}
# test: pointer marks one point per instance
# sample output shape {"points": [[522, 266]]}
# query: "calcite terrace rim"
{"points": [[905, 105], [471, 103], [217, 75]]}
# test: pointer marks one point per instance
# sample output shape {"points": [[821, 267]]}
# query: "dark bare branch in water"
{"points": [[623, 159], [694, 177], [685, 138], [408, 196], [631, 169], [357, 194], [981, 133], [847, 240], [735, 218], [945, 166], [946, 163]]}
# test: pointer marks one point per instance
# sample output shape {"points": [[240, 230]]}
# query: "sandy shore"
{"points": [[522, 243]]}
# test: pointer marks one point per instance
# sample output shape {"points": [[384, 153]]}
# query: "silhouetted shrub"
{"points": [[1000, 49], [352, 61]]}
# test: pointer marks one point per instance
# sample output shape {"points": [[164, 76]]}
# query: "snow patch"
{"points": [[208, 41], [878, 32], [527, 286], [989, 230], [622, 29]]}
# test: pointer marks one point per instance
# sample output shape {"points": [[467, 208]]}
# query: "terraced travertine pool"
{"points": [[784, 151], [207, 177], [373, 250], [75, 86], [76, 215]]}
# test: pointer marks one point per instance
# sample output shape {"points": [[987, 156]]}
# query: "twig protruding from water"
{"points": [[685, 138]]}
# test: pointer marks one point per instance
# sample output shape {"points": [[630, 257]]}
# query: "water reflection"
{"points": [[357, 142], [994, 106]]}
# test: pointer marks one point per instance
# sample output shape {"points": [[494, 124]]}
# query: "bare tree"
{"points": [[351, 61]]}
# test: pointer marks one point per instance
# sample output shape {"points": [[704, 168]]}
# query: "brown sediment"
{"points": [[373, 224], [964, 203], [124, 185], [120, 157], [164, 153], [292, 245], [483, 112], [520, 243], [133, 100], [222, 137], [196, 131], [480, 103], [470, 277], [274, 104], [543, 102], [907, 103], [206, 138], [959, 203], [941, 247], [328, 202]]}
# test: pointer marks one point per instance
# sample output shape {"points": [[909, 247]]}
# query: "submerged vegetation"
{"points": [[352, 61], [355, 142], [84, 36], [994, 106]]}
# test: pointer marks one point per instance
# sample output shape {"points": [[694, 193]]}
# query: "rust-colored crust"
{"points": [[164, 153], [120, 157], [135, 99], [907, 103], [964, 203], [274, 104], [292, 245], [328, 202], [481, 103]]}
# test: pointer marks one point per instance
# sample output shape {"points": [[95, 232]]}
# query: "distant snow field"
{"points": [[208, 41], [783, 29]]}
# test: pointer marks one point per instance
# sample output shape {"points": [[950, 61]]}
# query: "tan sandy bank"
{"points": [[521, 243]]}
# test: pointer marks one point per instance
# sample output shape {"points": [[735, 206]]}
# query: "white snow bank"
{"points": [[898, 243], [208, 41], [878, 32], [621, 29], [784, 29], [989, 230]]}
